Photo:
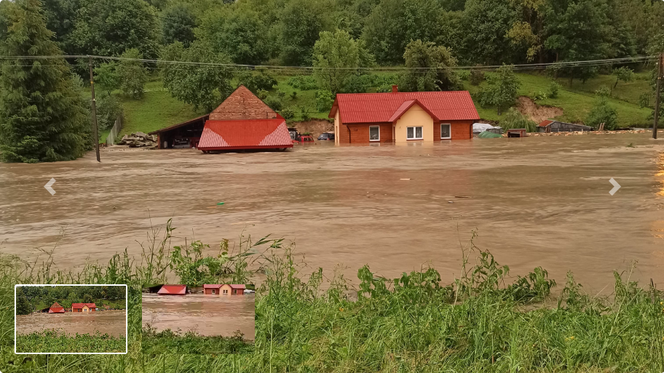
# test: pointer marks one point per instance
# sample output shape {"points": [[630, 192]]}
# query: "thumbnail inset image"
{"points": [[208, 319], [71, 319]]}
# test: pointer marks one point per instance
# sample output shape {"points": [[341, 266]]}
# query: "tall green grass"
{"points": [[54, 342], [484, 321]]}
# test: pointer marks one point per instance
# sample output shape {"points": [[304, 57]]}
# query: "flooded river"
{"points": [[105, 322], [207, 315], [539, 201]]}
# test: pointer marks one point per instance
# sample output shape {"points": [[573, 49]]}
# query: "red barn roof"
{"points": [[234, 286], [80, 305], [545, 123], [173, 290], [56, 308], [211, 286], [388, 107], [245, 134]]}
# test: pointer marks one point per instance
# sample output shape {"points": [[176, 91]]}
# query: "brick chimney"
{"points": [[395, 88]]}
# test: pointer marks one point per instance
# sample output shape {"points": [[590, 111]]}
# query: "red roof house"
{"points": [[232, 289], [211, 289], [173, 290], [403, 117], [245, 134], [56, 308], [83, 307]]}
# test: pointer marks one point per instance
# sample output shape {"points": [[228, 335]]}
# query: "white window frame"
{"points": [[370, 127], [441, 131], [415, 133]]}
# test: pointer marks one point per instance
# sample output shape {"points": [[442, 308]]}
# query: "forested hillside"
{"points": [[297, 54]]}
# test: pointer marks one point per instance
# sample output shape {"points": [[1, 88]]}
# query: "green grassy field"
{"points": [[153, 343], [50, 341], [484, 321]]}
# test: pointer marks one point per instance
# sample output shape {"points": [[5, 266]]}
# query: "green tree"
{"points": [[23, 306], [41, 117], [486, 27], [514, 119], [177, 24], [107, 77], [602, 114], [110, 27], [624, 74], [576, 31], [336, 58], [300, 24], [203, 86], [132, 74], [237, 32], [502, 90], [395, 23], [429, 68], [61, 17]]}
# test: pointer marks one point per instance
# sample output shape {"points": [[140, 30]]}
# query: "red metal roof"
{"points": [[56, 308], [80, 305], [234, 286], [545, 123], [245, 134], [381, 107], [211, 286], [173, 290]]}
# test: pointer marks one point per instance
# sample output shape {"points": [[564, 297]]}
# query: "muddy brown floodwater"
{"points": [[112, 323], [538, 201], [207, 315]]}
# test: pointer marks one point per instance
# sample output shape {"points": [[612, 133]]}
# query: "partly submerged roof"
{"points": [[56, 308], [545, 123], [237, 286], [211, 286], [243, 104], [173, 290], [80, 305], [202, 118], [388, 107], [245, 134]]}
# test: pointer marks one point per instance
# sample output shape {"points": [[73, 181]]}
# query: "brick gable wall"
{"points": [[242, 104]]}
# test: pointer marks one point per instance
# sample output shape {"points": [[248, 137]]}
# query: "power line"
{"points": [[531, 66]]}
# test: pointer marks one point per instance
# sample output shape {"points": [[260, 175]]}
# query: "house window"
{"points": [[374, 133], [446, 131], [414, 133], [214, 291], [225, 291]]}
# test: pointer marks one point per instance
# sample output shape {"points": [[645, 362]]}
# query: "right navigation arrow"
{"points": [[616, 186]]}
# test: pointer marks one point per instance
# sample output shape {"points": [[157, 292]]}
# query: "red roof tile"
{"points": [[80, 305], [56, 308], [173, 290], [245, 134], [381, 107]]}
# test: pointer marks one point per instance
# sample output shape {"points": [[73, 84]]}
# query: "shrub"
{"points": [[602, 113], [274, 102], [108, 110], [304, 113], [514, 119], [257, 81], [288, 113], [476, 77], [324, 101], [463, 75], [552, 92], [303, 82], [262, 94], [540, 95]]}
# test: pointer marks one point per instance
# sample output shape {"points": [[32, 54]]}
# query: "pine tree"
{"points": [[41, 113]]}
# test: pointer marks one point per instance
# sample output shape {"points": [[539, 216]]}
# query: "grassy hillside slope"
{"points": [[158, 109]]}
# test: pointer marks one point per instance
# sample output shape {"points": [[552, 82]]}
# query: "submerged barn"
{"points": [[403, 117], [232, 289], [242, 121]]}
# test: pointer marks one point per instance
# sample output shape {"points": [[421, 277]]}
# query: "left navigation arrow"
{"points": [[49, 185]]}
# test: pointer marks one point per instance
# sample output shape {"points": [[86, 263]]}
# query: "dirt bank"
{"points": [[314, 126], [536, 112]]}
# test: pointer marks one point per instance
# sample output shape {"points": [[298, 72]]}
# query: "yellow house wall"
{"points": [[336, 128], [86, 309], [414, 117], [225, 287]]}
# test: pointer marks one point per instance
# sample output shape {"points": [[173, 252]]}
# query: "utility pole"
{"points": [[95, 129], [660, 72]]}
